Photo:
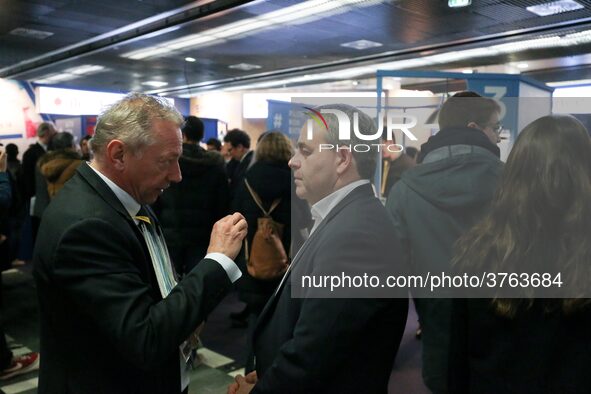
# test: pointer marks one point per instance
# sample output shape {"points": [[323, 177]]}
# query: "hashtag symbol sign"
{"points": [[277, 121]]}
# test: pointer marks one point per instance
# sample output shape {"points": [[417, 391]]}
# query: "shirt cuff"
{"points": [[227, 264]]}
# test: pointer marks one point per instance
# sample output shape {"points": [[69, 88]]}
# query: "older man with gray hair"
{"points": [[114, 317], [316, 340]]}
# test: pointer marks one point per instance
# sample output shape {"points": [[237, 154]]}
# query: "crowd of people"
{"points": [[144, 231]]}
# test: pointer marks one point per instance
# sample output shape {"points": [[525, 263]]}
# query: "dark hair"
{"points": [[411, 151], [11, 152], [215, 142], [465, 107], [540, 219], [62, 140], [237, 137], [193, 128], [86, 138]]}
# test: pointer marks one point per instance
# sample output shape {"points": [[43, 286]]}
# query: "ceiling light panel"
{"points": [[244, 66], [299, 13], [70, 73], [31, 33], [361, 44], [555, 7], [155, 84]]}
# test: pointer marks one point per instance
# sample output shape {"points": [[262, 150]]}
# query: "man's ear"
{"points": [[116, 154], [473, 125], [344, 160]]}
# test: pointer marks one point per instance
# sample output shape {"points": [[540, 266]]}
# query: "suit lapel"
{"points": [[102, 189], [359, 192]]}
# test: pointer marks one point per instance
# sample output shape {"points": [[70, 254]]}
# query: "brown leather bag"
{"points": [[267, 258]]}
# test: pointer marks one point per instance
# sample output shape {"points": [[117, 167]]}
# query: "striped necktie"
{"points": [[158, 251], [166, 278]]}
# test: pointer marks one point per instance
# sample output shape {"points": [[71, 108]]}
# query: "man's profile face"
{"points": [[152, 170], [235, 152], [315, 172], [48, 135], [489, 129], [84, 147]]}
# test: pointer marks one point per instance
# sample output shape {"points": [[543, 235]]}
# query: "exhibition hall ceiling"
{"points": [[178, 47]]}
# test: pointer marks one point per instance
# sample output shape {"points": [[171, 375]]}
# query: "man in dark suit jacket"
{"points": [[32, 178], [314, 340], [238, 145], [188, 209], [112, 316]]}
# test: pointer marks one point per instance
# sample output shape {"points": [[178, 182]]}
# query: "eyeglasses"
{"points": [[497, 127]]}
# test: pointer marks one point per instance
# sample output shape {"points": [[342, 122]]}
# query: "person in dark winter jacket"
{"points": [[187, 210], [434, 203]]}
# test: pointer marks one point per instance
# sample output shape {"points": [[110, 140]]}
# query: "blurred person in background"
{"points": [[214, 144], [187, 210], [237, 144], [394, 163], [270, 178], [59, 165], [17, 211], [31, 176], [10, 365], [539, 222], [85, 148]]}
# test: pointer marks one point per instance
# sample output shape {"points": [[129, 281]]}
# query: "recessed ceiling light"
{"points": [[190, 59], [522, 65], [244, 66], [458, 3], [155, 84], [31, 33], [555, 7], [361, 44], [300, 12], [468, 71]]}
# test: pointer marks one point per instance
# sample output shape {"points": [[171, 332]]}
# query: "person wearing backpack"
{"points": [[269, 181]]}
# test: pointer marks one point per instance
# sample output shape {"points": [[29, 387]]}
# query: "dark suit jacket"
{"points": [[237, 175], [104, 326], [30, 158], [334, 345]]}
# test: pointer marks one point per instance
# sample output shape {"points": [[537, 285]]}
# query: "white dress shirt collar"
{"points": [[131, 206], [323, 207]]}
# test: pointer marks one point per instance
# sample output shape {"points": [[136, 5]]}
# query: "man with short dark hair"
{"points": [[189, 209], [114, 317], [435, 202], [214, 144], [319, 342], [237, 144], [31, 176]]}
